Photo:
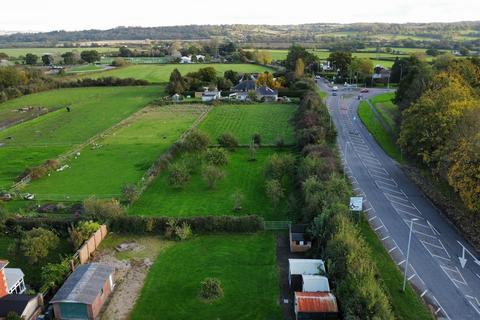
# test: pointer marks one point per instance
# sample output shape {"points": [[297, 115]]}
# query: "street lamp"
{"points": [[408, 253]]}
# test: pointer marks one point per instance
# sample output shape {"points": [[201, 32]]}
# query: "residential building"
{"points": [[84, 292], [210, 95]]}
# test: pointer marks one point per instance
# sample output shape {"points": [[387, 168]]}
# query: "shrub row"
{"points": [[324, 203], [144, 225]]}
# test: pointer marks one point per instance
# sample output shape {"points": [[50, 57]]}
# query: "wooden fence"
{"points": [[91, 244]]}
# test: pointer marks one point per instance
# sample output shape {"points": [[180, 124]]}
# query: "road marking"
{"points": [[412, 276], [402, 204], [392, 249], [368, 209], [384, 172], [423, 293], [391, 183], [433, 228], [401, 262], [372, 218], [385, 238], [396, 197], [409, 213], [378, 228]]}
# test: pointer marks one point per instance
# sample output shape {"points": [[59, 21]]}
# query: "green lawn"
{"points": [[85, 68], [270, 120], [245, 265], [390, 112], [196, 200], [93, 110], [403, 303], [375, 127], [160, 73], [17, 52], [123, 157], [32, 271]]}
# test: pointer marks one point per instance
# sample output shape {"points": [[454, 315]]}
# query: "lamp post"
{"points": [[408, 253]]}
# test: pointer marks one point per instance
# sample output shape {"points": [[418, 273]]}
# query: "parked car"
{"points": [[364, 90], [29, 196], [334, 93], [6, 197]]}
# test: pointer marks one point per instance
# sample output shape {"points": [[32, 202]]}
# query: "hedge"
{"points": [[145, 225]]}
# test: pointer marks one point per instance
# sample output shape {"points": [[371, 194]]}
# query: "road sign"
{"points": [[356, 203]]}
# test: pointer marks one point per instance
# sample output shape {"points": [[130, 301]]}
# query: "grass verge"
{"points": [[403, 303]]}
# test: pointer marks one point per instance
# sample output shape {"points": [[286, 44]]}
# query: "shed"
{"points": [[84, 292], [299, 240], [315, 306], [315, 283], [299, 267]]}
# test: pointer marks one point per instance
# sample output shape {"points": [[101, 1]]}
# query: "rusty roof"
{"points": [[321, 302]]}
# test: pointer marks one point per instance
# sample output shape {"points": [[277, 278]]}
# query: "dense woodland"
{"points": [[444, 35]]}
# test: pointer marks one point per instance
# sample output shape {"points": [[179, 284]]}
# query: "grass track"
{"points": [[245, 265], [270, 120]]}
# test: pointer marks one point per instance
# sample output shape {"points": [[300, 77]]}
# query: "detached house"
{"points": [[263, 93]]}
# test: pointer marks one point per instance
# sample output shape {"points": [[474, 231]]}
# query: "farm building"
{"points": [[299, 267], [315, 306], [84, 292], [299, 242]]}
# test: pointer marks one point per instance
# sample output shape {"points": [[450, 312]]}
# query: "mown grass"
{"points": [[160, 73], [372, 123], [123, 157], [147, 246], [389, 112], [32, 271], [85, 68], [270, 120], [195, 199], [403, 303], [93, 110], [245, 265]]}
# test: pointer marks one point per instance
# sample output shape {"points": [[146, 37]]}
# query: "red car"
{"points": [[364, 90]]}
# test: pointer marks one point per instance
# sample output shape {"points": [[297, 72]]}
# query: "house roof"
{"points": [[14, 302], [211, 93], [13, 275], [315, 283], [266, 91], [84, 284], [306, 266], [298, 232], [3, 264], [315, 302], [245, 85]]}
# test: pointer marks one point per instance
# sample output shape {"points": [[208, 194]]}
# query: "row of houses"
{"points": [[306, 278]]}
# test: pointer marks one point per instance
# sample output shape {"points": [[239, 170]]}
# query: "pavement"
{"points": [[443, 268]]}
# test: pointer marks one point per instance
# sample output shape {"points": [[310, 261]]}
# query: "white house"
{"points": [[208, 95], [315, 283], [185, 59]]}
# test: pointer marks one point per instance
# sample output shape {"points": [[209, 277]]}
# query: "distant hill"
{"points": [[391, 34]]}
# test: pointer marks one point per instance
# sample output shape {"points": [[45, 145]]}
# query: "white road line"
{"points": [[402, 204], [397, 245], [378, 228], [385, 238], [441, 243], [401, 262], [433, 228], [412, 276], [392, 249], [426, 235], [397, 197], [384, 172], [409, 213], [423, 293], [368, 209], [372, 218], [396, 192]]}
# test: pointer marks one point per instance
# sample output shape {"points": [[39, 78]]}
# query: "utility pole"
{"points": [[408, 253]]}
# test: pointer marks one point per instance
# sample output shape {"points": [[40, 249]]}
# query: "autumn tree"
{"points": [[360, 68], [176, 83], [267, 79], [340, 60], [274, 191], [299, 68]]}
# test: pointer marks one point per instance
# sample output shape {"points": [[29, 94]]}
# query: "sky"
{"points": [[48, 15]]}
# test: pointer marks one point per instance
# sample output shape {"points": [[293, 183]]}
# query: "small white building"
{"points": [[208, 95], [300, 267], [315, 283], [185, 59], [176, 97]]}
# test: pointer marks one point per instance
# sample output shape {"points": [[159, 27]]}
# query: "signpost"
{"points": [[356, 204]]}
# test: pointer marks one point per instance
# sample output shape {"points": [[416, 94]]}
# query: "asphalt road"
{"points": [[391, 201]]}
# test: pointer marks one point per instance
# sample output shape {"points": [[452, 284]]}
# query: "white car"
{"points": [[29, 196]]}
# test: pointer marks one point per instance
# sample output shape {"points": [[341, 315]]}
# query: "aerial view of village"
{"points": [[253, 161]]}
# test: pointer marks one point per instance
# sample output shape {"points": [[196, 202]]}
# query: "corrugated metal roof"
{"points": [[306, 266], [84, 284], [321, 302]]}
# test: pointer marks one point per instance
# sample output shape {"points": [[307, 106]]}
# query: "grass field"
{"points": [[161, 73], [123, 158], [270, 120], [373, 124], [32, 271], [93, 110], [402, 302], [195, 199], [245, 265], [389, 112], [85, 68], [17, 52]]}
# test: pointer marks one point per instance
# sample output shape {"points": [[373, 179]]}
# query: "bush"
{"points": [[83, 231], [196, 141], [274, 191], [257, 139], [212, 175], [103, 208], [179, 175], [119, 62], [280, 166], [37, 243], [183, 231], [54, 274], [228, 141], [129, 193], [216, 157], [211, 289]]}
